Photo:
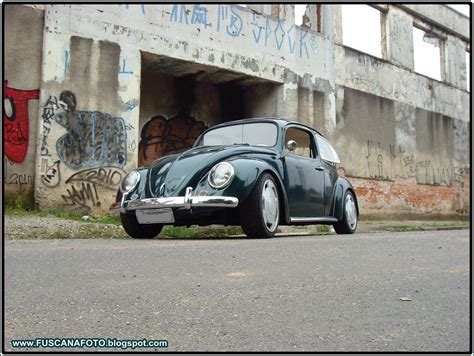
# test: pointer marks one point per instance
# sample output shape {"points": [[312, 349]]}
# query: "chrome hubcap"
{"points": [[351, 211], [270, 208]]}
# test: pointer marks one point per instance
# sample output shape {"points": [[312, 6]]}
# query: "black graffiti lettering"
{"points": [[109, 177], [85, 196]]}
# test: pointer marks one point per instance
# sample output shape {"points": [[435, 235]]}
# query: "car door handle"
{"points": [[320, 168]]}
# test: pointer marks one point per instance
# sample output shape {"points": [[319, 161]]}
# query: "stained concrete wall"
{"points": [[120, 83], [23, 43], [99, 99], [400, 128]]}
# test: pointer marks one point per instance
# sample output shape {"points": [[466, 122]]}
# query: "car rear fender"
{"points": [[342, 186]]}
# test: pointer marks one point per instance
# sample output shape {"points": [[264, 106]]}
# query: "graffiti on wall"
{"points": [[93, 138], [160, 136], [49, 110], [263, 30], [84, 196], [50, 173], [16, 121], [396, 162], [108, 177]]}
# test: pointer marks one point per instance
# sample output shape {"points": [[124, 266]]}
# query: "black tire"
{"points": [[252, 218], [137, 230], [347, 224]]}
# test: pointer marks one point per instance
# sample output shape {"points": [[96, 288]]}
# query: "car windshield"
{"points": [[252, 134]]}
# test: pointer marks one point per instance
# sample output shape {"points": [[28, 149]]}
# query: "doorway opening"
{"points": [[180, 99]]}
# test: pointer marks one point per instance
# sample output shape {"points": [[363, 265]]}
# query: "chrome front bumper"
{"points": [[187, 202]]}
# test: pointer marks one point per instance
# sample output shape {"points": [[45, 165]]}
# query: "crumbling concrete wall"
{"points": [[23, 43], [406, 132]]}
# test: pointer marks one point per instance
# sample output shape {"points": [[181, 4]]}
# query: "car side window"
{"points": [[304, 145], [328, 153]]}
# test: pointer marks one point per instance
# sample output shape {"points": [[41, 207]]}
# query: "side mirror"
{"points": [[291, 145]]}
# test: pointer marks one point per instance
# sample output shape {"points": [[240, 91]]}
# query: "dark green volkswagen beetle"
{"points": [[256, 173]]}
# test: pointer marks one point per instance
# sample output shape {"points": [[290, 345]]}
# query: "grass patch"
{"points": [[323, 228], [17, 209], [200, 232]]}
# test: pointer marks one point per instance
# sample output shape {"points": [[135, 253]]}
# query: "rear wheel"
{"points": [[137, 230], [260, 213], [348, 224]]}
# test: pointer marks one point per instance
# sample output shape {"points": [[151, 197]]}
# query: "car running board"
{"points": [[327, 219]]}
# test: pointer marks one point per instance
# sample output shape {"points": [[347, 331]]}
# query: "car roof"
{"points": [[279, 121]]}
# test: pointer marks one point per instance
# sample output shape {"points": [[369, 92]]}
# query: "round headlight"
{"points": [[130, 182], [221, 175]]}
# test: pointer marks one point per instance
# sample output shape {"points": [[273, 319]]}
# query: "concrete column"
{"points": [[287, 14], [399, 38], [337, 23], [328, 13], [455, 62]]}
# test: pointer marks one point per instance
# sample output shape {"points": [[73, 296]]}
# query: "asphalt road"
{"points": [[311, 293]]}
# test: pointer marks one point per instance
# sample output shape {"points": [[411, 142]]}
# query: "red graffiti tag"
{"points": [[15, 121]]}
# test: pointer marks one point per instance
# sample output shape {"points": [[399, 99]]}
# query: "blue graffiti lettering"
{"points": [[291, 45], [280, 36], [236, 23], [66, 61], [182, 13], [303, 34], [221, 16], [313, 42], [256, 22], [199, 15]]}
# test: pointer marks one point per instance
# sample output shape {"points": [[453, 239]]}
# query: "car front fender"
{"points": [[247, 172]]}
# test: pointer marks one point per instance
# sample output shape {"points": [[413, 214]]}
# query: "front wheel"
{"points": [[260, 213], [348, 224], [137, 230]]}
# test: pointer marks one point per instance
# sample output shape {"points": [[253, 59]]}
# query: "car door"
{"points": [[304, 175], [329, 159]]}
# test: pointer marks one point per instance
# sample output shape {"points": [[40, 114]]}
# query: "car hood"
{"points": [[186, 169]]}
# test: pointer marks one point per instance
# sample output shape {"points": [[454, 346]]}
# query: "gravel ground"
{"points": [[36, 227], [31, 227]]}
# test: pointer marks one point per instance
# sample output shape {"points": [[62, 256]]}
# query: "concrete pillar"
{"points": [[23, 45], [399, 38], [95, 84], [328, 13], [455, 62], [336, 23]]}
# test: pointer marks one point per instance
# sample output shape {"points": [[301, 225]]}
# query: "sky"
{"points": [[463, 9]]}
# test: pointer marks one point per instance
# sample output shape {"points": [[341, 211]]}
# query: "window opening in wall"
{"points": [[361, 28], [427, 53], [299, 13], [308, 15], [468, 71]]}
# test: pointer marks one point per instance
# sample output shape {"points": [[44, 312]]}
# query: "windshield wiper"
{"points": [[241, 144]]}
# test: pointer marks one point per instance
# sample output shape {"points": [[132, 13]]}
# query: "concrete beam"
{"points": [[442, 16]]}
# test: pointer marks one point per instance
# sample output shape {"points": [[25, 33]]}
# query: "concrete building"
{"points": [[93, 91]]}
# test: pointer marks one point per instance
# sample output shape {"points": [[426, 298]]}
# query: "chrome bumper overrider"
{"points": [[187, 202]]}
